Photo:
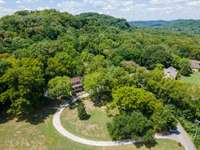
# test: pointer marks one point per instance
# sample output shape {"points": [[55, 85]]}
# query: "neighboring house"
{"points": [[195, 65], [170, 72], [77, 87]]}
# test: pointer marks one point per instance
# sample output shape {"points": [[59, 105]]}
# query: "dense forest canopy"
{"points": [[121, 66], [186, 26]]}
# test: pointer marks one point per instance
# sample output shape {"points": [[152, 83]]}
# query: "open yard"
{"points": [[41, 135], [93, 128], [194, 79]]}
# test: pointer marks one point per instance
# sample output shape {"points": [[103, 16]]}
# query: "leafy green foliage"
{"points": [[186, 69], [163, 119], [148, 138], [98, 85], [134, 126], [22, 85], [60, 87], [153, 55], [95, 19], [3, 66], [37, 24], [82, 114], [128, 99], [185, 26]]}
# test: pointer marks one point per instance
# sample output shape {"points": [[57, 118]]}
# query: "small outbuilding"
{"points": [[170, 72], [195, 65]]}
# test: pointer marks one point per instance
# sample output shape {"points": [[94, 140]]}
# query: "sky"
{"points": [[129, 9]]}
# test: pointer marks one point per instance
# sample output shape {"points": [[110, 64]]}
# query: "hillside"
{"points": [[120, 66], [153, 24], [188, 26]]}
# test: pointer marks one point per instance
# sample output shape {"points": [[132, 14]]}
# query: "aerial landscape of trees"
{"points": [[120, 65]]}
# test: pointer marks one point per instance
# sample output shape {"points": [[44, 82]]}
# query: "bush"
{"points": [[149, 139], [164, 120], [133, 126], [82, 114], [60, 87], [186, 69]]}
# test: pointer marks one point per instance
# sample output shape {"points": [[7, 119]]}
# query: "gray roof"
{"points": [[195, 64], [170, 72]]}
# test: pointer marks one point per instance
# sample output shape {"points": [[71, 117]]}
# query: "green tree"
{"points": [[152, 55], [3, 66], [163, 119], [69, 62], [130, 126], [60, 87], [23, 85], [186, 69], [20, 107], [55, 68], [82, 114], [96, 63], [129, 99], [98, 85], [149, 139]]}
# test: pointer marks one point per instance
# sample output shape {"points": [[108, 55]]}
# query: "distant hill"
{"points": [[188, 26], [157, 23], [96, 19]]}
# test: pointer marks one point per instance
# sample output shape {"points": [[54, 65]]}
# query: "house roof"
{"points": [[195, 64], [170, 71], [76, 80]]}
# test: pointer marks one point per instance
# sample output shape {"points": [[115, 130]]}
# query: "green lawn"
{"points": [[22, 135], [93, 128], [194, 79]]}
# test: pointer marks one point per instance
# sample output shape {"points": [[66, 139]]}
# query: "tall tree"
{"points": [[23, 85], [60, 87], [129, 99]]}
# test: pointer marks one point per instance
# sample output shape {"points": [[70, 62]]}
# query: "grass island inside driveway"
{"points": [[94, 128]]}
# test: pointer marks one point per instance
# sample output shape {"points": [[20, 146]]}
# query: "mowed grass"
{"points": [[93, 128], [194, 79], [22, 135]]}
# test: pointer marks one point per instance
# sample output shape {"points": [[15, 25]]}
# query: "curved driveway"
{"points": [[182, 137], [57, 124]]}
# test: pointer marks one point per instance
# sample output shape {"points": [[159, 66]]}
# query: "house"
{"points": [[170, 72], [195, 65], [77, 87]]}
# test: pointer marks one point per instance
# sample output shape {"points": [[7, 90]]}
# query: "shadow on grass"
{"points": [[39, 115], [87, 117], [5, 117], [148, 145], [75, 105]]}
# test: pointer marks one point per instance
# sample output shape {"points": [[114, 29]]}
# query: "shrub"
{"points": [[149, 139], [164, 120], [131, 126], [82, 114]]}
